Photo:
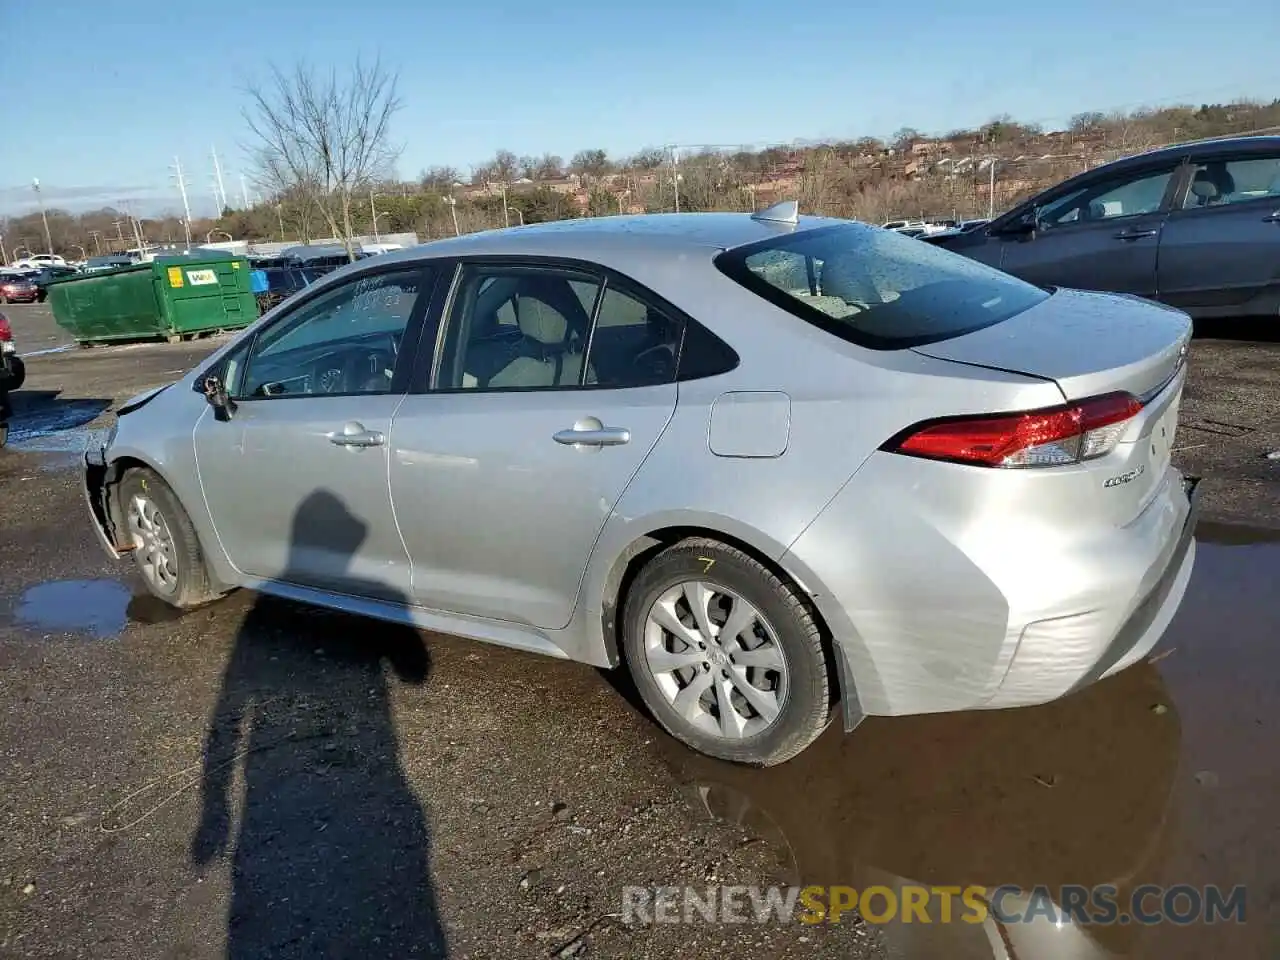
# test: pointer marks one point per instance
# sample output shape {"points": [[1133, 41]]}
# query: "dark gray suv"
{"points": [[1196, 226]]}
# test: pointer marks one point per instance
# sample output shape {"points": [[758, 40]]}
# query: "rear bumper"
{"points": [[942, 611]]}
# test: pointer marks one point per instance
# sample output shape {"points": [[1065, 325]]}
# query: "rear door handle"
{"points": [[590, 432], [1272, 217], [1133, 234], [354, 434]]}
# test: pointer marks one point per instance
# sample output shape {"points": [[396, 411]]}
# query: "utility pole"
{"points": [[96, 235], [186, 206], [675, 174], [217, 173], [4, 257], [374, 214], [280, 217], [991, 195], [35, 185], [137, 228]]}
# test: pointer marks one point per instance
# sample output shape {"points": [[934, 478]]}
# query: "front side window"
{"points": [[1218, 182], [1127, 196], [346, 341], [876, 287]]}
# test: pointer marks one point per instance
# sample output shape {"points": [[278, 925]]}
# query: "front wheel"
{"points": [[727, 655], [165, 548], [17, 375]]}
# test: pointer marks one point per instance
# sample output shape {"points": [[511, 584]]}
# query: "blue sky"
{"points": [[101, 96]]}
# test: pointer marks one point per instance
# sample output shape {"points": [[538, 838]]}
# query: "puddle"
{"points": [[1164, 774], [98, 608]]}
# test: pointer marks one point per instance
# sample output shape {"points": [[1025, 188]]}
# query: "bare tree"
{"points": [[439, 179], [550, 167], [325, 137], [505, 165]]}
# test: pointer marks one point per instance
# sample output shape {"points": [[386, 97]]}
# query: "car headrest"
{"points": [[1203, 186], [540, 321]]}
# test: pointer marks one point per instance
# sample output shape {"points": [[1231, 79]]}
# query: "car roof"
{"points": [[616, 240], [1260, 145]]}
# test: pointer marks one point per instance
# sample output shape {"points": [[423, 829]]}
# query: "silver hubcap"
{"points": [[716, 660], [153, 545]]}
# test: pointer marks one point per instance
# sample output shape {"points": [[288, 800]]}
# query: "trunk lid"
{"points": [[1087, 343]]}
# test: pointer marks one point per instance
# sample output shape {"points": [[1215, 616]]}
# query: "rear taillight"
{"points": [[1038, 438], [6, 331]]}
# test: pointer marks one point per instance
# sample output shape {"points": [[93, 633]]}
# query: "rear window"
{"points": [[877, 288]]}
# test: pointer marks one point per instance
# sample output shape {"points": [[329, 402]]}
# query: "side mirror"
{"points": [[215, 392], [1024, 225]]}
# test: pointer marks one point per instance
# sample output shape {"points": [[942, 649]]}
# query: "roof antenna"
{"points": [[784, 211]]}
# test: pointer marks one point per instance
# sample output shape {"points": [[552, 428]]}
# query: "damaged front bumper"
{"points": [[95, 485]]}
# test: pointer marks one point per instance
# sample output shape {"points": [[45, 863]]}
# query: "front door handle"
{"points": [[1272, 217], [354, 434], [1134, 234], [590, 432]]}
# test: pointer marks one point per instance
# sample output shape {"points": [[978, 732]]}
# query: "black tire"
{"points": [[191, 588], [17, 374], [4, 434], [808, 705]]}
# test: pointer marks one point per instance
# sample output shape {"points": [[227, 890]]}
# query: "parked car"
{"points": [[18, 288], [38, 261], [12, 374], [47, 276], [1196, 226], [108, 262], [719, 449]]}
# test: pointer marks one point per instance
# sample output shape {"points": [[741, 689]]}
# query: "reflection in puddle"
{"points": [[97, 608], [1164, 774]]}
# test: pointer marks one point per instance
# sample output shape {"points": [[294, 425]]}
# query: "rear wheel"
{"points": [[165, 548], [727, 656]]}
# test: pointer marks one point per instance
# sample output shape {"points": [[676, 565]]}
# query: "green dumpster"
{"points": [[167, 298]]}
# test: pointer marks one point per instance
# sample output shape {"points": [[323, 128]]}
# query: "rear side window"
{"points": [[877, 288]]}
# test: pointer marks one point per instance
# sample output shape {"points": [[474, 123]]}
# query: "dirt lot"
{"points": [[258, 778]]}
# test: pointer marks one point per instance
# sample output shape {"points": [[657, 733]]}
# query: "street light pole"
{"points": [[280, 218], [35, 185], [373, 212]]}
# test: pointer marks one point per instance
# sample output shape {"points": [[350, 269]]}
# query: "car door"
{"points": [[1100, 235], [296, 477], [552, 385], [1220, 249]]}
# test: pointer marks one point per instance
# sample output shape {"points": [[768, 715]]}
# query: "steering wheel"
{"points": [[657, 362]]}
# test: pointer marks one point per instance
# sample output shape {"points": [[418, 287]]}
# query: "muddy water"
{"points": [[1168, 773]]}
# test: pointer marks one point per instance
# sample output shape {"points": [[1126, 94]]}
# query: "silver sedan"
{"points": [[775, 466]]}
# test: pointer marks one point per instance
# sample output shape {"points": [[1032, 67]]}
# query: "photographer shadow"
{"points": [[331, 852]]}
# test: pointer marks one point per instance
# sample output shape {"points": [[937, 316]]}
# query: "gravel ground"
{"points": [[257, 778]]}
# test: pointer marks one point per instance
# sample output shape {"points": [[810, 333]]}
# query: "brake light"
{"points": [[1038, 438], [6, 331]]}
